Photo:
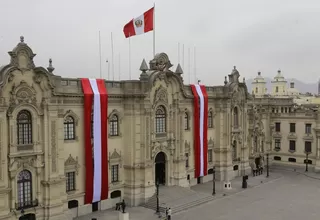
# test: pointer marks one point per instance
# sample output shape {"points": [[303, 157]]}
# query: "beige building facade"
{"points": [[150, 136]]}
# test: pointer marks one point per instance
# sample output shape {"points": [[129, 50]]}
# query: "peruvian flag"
{"points": [[96, 147], [200, 103], [139, 25]]}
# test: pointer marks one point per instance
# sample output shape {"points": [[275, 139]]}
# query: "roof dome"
{"points": [[258, 79]]}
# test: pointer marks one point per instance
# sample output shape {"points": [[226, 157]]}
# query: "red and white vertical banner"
{"points": [[96, 145], [200, 130]]}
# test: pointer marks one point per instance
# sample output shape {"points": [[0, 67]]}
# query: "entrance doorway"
{"points": [[28, 217], [160, 168], [257, 161]]}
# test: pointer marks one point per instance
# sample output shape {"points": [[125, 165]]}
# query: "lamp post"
{"points": [[157, 193], [22, 213], [267, 164], [214, 181], [307, 160]]}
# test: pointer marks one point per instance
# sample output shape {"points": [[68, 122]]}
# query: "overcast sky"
{"points": [[254, 35]]}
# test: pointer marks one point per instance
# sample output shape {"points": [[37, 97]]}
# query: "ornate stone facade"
{"points": [[42, 146]]}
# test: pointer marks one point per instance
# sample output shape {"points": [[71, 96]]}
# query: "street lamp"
{"points": [[307, 160], [267, 164], [157, 193], [214, 181]]}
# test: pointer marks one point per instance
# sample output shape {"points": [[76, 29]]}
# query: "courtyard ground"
{"points": [[285, 195]]}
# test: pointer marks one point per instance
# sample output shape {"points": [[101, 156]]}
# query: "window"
{"points": [[292, 145], [307, 146], [187, 160], [308, 128], [210, 119], [69, 128], [24, 125], [236, 117], [210, 159], [186, 121], [292, 127], [115, 173], [114, 122], [24, 183], [256, 89], [277, 144], [278, 126], [292, 160], [70, 181], [277, 89], [160, 120]]}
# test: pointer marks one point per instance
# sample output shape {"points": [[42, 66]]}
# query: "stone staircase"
{"points": [[177, 198]]}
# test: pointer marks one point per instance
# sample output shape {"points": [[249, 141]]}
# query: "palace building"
{"points": [[150, 136]]}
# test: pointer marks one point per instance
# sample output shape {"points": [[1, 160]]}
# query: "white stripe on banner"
{"points": [[198, 88], [96, 142]]}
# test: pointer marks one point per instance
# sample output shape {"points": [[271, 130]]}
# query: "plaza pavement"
{"points": [[140, 213], [287, 194]]}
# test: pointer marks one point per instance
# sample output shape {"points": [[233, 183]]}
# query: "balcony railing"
{"points": [[27, 204]]}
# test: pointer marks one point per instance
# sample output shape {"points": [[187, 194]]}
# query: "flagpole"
{"points": [[195, 64], [183, 57], [129, 58], [119, 67], [178, 53], [100, 55], [112, 56], [189, 65], [154, 29]]}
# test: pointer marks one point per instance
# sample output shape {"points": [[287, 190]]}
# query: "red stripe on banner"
{"points": [[196, 131], [104, 137], [88, 101], [128, 29], [148, 20], [205, 129]]}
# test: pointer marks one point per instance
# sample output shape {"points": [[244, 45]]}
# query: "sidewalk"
{"points": [[236, 184], [299, 170]]}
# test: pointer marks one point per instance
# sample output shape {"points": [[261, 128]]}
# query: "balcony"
{"points": [[27, 204]]}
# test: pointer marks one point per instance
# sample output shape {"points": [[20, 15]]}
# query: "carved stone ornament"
{"points": [[72, 164], [115, 158], [158, 147], [160, 95], [160, 62], [22, 94], [187, 146], [24, 162], [115, 155], [210, 143]]}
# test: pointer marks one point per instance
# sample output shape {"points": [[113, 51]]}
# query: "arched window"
{"points": [[114, 125], [160, 120], [24, 125], [186, 121], [235, 117], [69, 128], [24, 183], [256, 89], [277, 89], [210, 119]]}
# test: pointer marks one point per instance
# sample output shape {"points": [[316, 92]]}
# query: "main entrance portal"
{"points": [[160, 168]]}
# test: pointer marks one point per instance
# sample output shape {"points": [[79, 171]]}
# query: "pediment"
{"points": [[71, 161], [115, 155]]}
